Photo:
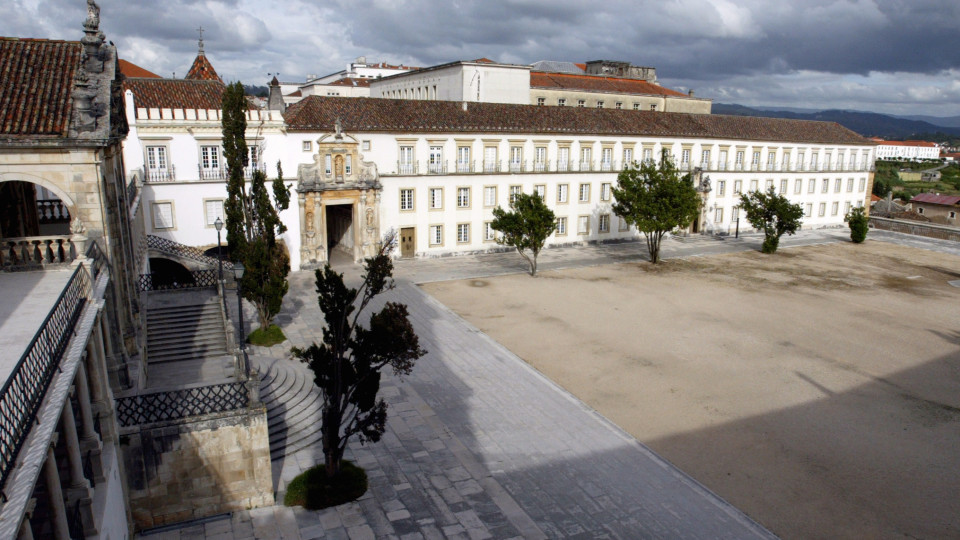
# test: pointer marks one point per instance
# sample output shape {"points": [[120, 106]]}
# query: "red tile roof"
{"points": [[36, 82], [129, 69], [930, 198], [351, 81], [175, 93], [316, 113], [595, 83], [202, 70], [905, 143]]}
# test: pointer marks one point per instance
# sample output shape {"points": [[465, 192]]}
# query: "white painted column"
{"points": [[57, 507]]}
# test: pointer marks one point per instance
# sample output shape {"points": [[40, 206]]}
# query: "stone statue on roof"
{"points": [[93, 15]]}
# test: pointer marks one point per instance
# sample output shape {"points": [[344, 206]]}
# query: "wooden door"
{"points": [[408, 242]]}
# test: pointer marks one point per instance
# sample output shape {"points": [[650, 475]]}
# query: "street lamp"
{"points": [[219, 225], [238, 273]]}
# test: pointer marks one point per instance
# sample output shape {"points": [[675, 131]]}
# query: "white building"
{"points": [[480, 80], [907, 150]]}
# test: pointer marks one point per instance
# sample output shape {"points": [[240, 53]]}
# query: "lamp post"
{"points": [[219, 225], [238, 273]]}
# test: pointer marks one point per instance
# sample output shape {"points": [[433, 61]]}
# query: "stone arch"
{"points": [[44, 183]]}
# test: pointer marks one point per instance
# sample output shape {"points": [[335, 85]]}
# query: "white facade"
{"points": [[907, 150], [478, 81]]}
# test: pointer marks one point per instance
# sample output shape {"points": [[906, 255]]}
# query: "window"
{"points": [[606, 159], [540, 190], [307, 146], [603, 225], [561, 102], [685, 157], [435, 160], [813, 160], [721, 188], [853, 161], [463, 159], [366, 146], [753, 185], [406, 199], [797, 186], [705, 159], [586, 158], [648, 155], [808, 210], [837, 184], [563, 158], [163, 215], [737, 187], [583, 225], [514, 191], [489, 195], [253, 155], [718, 215], [739, 160], [722, 165], [599, 104], [627, 157], [581, 103], [605, 191], [463, 197], [786, 161], [653, 107], [436, 198], [812, 186], [624, 226], [328, 164], [541, 101], [825, 187], [561, 226], [800, 158], [769, 184], [863, 185], [771, 160], [834, 208], [463, 233], [540, 158], [561, 193], [849, 185], [827, 160], [783, 186], [584, 194], [636, 106], [210, 157], [822, 209], [213, 209], [619, 105], [406, 164], [952, 215], [516, 158], [846, 208], [919, 210], [735, 214], [348, 165], [490, 159], [157, 158], [436, 235], [755, 162], [489, 234]]}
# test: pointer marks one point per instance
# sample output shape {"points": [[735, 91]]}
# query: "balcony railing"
{"points": [[198, 280], [52, 211], [23, 392], [36, 252], [160, 175], [177, 404]]}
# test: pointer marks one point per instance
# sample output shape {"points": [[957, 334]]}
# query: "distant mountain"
{"points": [[254, 90], [945, 121], [865, 123]]}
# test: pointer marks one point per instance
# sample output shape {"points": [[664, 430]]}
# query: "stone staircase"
{"points": [[180, 333], [293, 405]]}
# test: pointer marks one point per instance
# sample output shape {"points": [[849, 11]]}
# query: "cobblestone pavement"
{"points": [[480, 445]]}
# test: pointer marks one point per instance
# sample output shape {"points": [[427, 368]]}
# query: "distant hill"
{"points": [[253, 90], [865, 123], [945, 121]]}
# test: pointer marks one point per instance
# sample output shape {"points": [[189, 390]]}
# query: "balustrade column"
{"points": [[59, 510]]}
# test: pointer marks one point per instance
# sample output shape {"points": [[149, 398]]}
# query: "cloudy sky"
{"points": [[889, 56]]}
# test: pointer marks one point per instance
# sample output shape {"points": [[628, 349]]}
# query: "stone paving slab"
{"points": [[481, 445]]}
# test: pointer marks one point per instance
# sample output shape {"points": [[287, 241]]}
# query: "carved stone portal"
{"points": [[339, 200]]}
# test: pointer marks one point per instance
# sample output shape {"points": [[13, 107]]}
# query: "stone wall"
{"points": [[915, 227], [198, 467]]}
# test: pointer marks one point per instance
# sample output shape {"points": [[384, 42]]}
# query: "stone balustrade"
{"points": [[27, 252]]}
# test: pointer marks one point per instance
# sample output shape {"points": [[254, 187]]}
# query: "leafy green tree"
{"points": [[655, 199], [526, 226], [858, 222], [881, 186], [348, 363], [252, 219], [772, 213]]}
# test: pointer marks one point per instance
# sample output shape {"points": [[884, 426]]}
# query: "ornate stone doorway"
{"points": [[340, 229]]}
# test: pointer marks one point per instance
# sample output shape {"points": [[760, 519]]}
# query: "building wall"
{"points": [[890, 151], [494, 83], [628, 101], [944, 214]]}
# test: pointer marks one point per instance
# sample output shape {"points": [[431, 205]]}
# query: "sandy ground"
{"points": [[818, 390]]}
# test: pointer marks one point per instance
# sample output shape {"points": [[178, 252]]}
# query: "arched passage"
{"points": [[31, 206], [166, 273]]}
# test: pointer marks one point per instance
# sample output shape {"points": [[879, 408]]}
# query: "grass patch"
{"points": [[313, 491], [266, 338]]}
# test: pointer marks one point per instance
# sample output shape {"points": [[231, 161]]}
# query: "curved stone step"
{"points": [[293, 406]]}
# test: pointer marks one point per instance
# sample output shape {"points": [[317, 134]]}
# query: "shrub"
{"points": [[266, 338], [858, 221]]}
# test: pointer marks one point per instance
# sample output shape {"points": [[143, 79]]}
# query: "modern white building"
{"points": [[908, 150], [480, 80]]}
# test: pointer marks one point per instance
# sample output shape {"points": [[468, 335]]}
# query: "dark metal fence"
{"points": [[23, 392], [176, 404], [97, 259], [170, 247], [198, 279]]}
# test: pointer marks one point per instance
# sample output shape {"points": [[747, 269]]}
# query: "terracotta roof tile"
{"points": [[351, 81], [175, 93], [595, 83], [930, 198], [202, 70], [129, 69], [36, 82], [397, 115]]}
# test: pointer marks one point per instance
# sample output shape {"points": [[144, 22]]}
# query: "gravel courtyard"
{"points": [[816, 389]]}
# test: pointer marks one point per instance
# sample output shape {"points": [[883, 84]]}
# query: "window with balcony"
{"points": [[540, 158], [490, 159], [586, 158], [516, 158], [685, 158], [406, 163], [157, 163], [722, 164], [755, 161], [606, 159], [627, 157], [738, 163], [209, 161], [563, 158], [463, 159], [647, 155], [705, 159], [435, 160], [771, 160]]}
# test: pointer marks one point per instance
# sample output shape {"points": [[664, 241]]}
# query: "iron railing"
{"points": [[170, 247], [177, 404], [23, 392], [198, 279], [97, 259]]}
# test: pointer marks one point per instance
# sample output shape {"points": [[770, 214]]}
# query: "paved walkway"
{"points": [[480, 445]]}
